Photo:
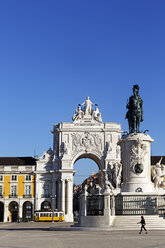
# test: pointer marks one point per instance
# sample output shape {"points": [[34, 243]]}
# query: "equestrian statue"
{"points": [[135, 111]]}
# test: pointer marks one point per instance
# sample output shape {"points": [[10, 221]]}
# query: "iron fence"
{"points": [[140, 205], [95, 205]]}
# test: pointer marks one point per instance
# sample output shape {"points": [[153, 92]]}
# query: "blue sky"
{"points": [[55, 53]]}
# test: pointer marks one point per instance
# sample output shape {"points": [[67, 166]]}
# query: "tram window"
{"points": [[61, 214], [56, 214], [50, 215], [41, 215]]}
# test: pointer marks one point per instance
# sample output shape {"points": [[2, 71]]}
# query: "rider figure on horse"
{"points": [[135, 111]]}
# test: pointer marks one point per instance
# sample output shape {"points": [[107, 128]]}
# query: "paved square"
{"points": [[29, 235]]}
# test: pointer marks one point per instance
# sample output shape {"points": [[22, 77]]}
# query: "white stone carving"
{"points": [[117, 174], [97, 115], [117, 151], [158, 174], [137, 152], [86, 141], [136, 163], [78, 114], [109, 147], [47, 156], [110, 171], [86, 112], [114, 174], [108, 184], [87, 106]]}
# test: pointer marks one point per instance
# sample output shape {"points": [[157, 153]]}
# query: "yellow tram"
{"points": [[48, 216]]}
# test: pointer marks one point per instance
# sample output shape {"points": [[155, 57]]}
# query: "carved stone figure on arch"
{"points": [[78, 114], [97, 115], [88, 106]]}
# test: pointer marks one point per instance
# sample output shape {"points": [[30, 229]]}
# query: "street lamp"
{"points": [[53, 198]]}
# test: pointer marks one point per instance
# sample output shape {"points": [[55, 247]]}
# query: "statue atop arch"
{"points": [[87, 106], [86, 112], [135, 111]]}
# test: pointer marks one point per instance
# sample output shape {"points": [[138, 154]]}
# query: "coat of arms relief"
{"points": [[86, 141]]}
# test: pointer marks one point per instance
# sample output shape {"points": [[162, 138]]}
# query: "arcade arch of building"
{"points": [[86, 137]]}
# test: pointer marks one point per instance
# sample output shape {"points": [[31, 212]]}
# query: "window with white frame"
{"points": [[46, 189], [27, 190], [28, 177], [1, 190], [13, 190], [1, 178], [14, 177], [14, 168], [28, 168]]}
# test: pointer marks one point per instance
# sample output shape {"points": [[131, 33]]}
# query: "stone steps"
{"points": [[153, 222]]}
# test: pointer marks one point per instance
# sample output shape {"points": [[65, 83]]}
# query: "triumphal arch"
{"points": [[86, 137], [127, 183]]}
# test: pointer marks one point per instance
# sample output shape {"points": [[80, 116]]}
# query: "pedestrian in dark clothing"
{"points": [[143, 223]]}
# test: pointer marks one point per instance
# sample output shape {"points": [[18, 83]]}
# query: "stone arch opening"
{"points": [[95, 157], [27, 211], [1, 211], [13, 211], [45, 206], [84, 167], [86, 171]]}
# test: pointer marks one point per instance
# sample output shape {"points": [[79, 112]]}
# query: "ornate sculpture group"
{"points": [[86, 111], [158, 174]]}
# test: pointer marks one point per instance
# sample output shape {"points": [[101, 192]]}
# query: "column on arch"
{"points": [[69, 199], [63, 195]]}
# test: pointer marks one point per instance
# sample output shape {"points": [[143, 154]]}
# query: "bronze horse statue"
{"points": [[135, 111]]}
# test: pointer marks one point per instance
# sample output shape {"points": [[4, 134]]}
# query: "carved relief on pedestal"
{"points": [[86, 141], [137, 155]]}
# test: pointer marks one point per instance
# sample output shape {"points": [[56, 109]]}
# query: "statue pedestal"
{"points": [[135, 157]]}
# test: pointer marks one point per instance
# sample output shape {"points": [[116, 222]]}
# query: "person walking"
{"points": [[143, 223]]}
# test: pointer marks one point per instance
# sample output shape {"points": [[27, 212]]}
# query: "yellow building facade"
{"points": [[17, 187]]}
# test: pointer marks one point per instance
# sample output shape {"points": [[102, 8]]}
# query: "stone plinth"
{"points": [[135, 157]]}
